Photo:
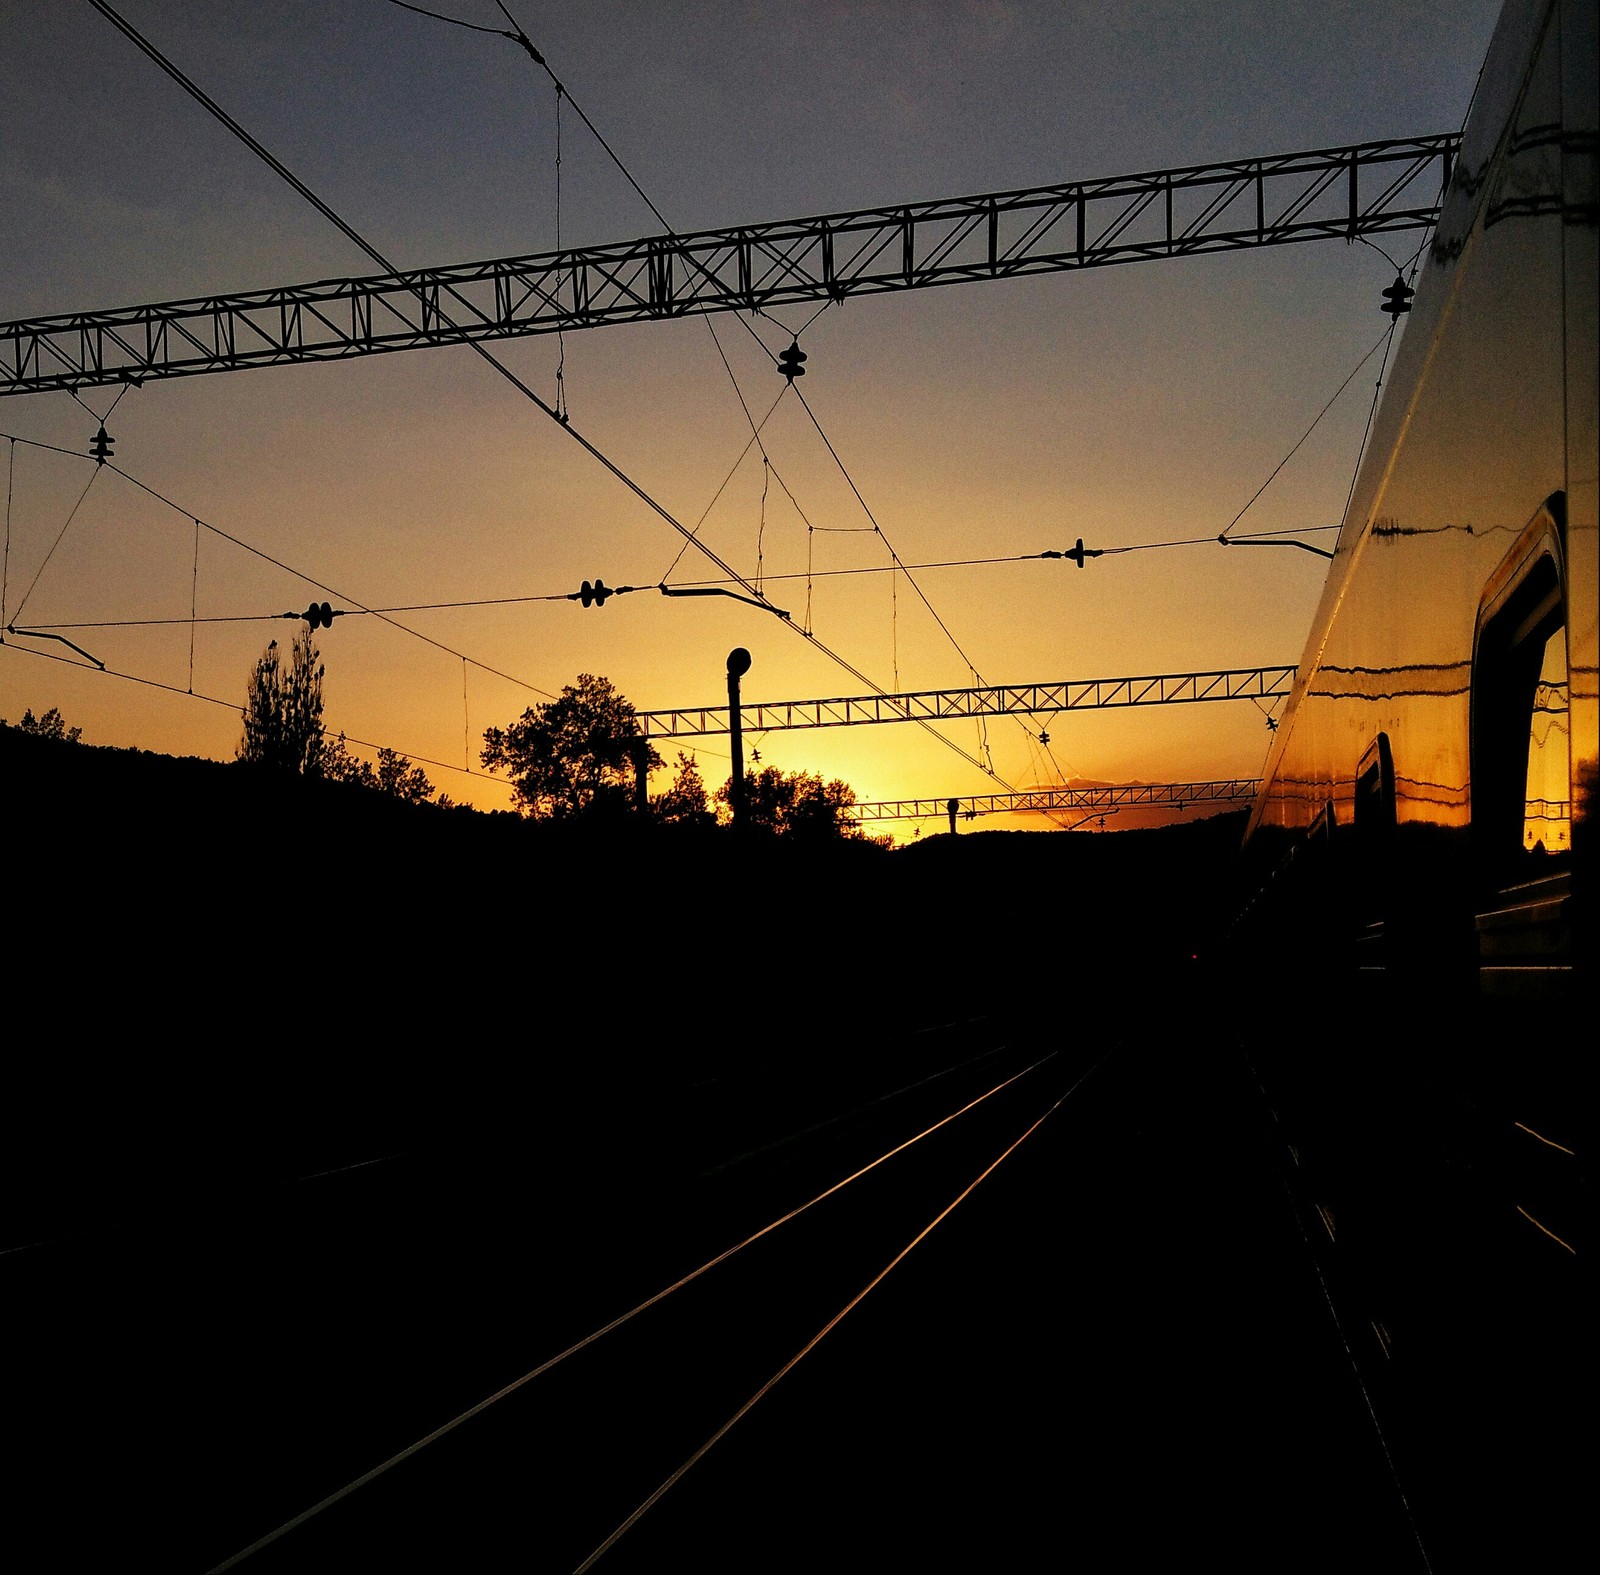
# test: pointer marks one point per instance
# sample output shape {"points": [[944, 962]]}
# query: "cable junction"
{"points": [[433, 312]]}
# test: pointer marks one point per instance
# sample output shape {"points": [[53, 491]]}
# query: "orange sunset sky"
{"points": [[1127, 405]]}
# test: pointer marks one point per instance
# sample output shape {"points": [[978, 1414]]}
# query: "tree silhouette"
{"points": [[686, 802], [394, 774], [283, 710], [796, 804], [572, 755], [50, 725]]}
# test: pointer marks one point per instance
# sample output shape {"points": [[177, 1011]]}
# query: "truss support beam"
{"points": [[948, 705], [1370, 188], [1159, 795]]}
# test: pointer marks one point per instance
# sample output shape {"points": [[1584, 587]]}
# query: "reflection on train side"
{"points": [[1547, 806], [1439, 751]]}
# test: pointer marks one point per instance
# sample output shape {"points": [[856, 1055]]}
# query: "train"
{"points": [[1443, 720], [1415, 920]]}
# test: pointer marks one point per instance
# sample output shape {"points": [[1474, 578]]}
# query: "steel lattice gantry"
{"points": [[1370, 188], [940, 705], [1169, 795]]}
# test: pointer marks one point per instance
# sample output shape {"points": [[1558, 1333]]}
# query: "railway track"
{"points": [[995, 1293]]}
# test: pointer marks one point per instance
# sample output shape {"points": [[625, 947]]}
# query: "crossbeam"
{"points": [[1169, 795], [1368, 188], [943, 705]]}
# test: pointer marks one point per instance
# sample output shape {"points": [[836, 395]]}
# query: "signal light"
{"points": [[791, 362], [1397, 298], [319, 616], [100, 446], [595, 595]]}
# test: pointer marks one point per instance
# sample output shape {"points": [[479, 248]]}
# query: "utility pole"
{"points": [[639, 748], [738, 666]]}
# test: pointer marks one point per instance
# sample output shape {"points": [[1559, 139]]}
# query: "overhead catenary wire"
{"points": [[1381, 340], [483, 352], [1388, 347], [465, 769], [522, 39], [216, 110], [71, 516], [530, 598], [234, 706], [331, 590], [439, 16], [1372, 409], [5, 562]]}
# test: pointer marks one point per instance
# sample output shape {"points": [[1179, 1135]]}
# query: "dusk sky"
{"points": [[1125, 405]]}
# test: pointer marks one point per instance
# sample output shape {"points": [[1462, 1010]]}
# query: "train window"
{"points": [[1521, 763], [1547, 812], [1374, 814], [1374, 807]]}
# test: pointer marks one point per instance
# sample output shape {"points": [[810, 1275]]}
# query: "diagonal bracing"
{"points": [[1369, 188], [1133, 795], [936, 705]]}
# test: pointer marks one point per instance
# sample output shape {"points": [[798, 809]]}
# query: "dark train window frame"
{"points": [[1374, 808], [1523, 607]]}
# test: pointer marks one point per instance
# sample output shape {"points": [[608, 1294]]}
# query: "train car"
{"points": [[1417, 917], [1443, 723]]}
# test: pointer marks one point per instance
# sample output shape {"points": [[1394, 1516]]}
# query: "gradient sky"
{"points": [[1124, 405]]}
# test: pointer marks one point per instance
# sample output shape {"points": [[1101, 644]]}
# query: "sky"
{"points": [[1125, 405]]}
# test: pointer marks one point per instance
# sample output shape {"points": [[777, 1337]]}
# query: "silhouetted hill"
{"points": [[221, 972], [122, 850]]}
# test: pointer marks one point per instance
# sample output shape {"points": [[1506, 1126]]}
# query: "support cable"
{"points": [[93, 474], [682, 588], [5, 567], [527, 44], [988, 764], [232, 705], [1377, 391], [194, 602], [1223, 537], [278, 563], [561, 338], [1388, 346], [439, 16], [227, 120], [102, 419], [215, 109], [617, 1322], [754, 441]]}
